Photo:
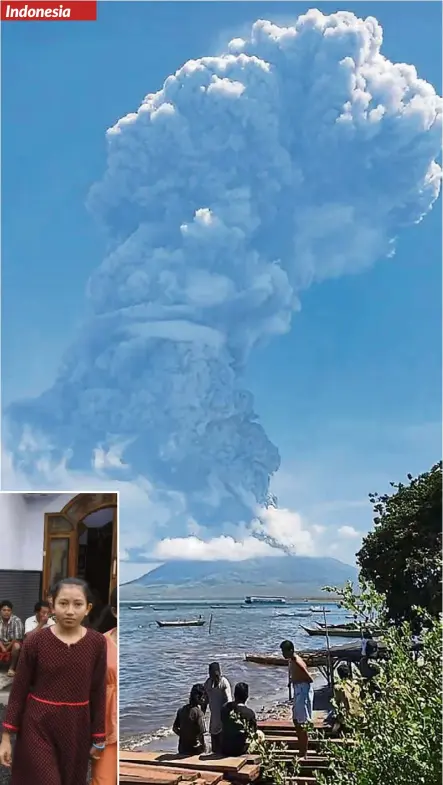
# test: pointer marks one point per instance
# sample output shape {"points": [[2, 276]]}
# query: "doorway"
{"points": [[95, 552], [81, 541]]}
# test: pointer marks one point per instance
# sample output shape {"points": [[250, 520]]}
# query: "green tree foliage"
{"points": [[397, 738], [402, 557]]}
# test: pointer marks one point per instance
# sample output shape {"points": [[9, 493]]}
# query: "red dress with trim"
{"points": [[57, 707]]}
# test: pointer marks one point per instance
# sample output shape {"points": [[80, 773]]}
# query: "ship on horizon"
{"points": [[265, 600]]}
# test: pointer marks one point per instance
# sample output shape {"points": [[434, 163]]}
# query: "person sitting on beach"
{"points": [[189, 724], [218, 691], [11, 636], [238, 722], [347, 699], [40, 619], [303, 697]]}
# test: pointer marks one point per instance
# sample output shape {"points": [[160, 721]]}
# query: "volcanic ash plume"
{"points": [[295, 157]]}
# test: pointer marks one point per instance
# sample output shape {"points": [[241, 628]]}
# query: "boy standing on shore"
{"points": [[303, 694], [219, 693]]}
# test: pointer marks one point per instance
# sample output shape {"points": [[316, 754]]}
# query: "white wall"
{"points": [[12, 513], [22, 528]]}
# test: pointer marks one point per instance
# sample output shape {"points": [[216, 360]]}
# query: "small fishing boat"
{"points": [[318, 609], [350, 626], [296, 614], [136, 607], [338, 632], [183, 623], [164, 608], [266, 659]]}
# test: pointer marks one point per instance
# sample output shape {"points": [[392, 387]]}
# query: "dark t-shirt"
{"points": [[237, 721], [368, 670], [190, 727]]}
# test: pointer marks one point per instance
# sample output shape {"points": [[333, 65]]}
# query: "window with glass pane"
{"points": [[60, 525], [59, 560]]}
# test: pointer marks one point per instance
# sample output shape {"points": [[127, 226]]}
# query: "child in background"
{"points": [[104, 768]]}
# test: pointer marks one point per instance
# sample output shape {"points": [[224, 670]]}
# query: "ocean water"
{"points": [[158, 666]]}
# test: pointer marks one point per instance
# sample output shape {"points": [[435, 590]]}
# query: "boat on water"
{"points": [[136, 607], [265, 601], [349, 626], [319, 609], [182, 623], [338, 632], [295, 614], [164, 608], [266, 659]]}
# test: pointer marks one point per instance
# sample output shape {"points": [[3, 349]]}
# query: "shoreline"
{"points": [[164, 739]]}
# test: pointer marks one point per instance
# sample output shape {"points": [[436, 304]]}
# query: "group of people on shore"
{"points": [[232, 723], [62, 707]]}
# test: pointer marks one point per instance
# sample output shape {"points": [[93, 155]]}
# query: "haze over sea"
{"points": [[158, 666]]}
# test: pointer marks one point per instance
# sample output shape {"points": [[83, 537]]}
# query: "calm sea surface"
{"points": [[159, 666]]}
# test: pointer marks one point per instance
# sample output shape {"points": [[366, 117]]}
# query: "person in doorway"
{"points": [[40, 619], [218, 691], [104, 766], [303, 694], [239, 723], [57, 704], [11, 636], [189, 724]]}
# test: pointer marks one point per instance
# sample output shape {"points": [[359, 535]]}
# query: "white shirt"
{"points": [[31, 624], [217, 697]]}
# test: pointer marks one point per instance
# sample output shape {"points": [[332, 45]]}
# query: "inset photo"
{"points": [[58, 638]]}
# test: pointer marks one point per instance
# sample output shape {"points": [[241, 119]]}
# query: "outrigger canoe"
{"points": [[191, 623], [266, 659], [350, 626], [338, 632]]}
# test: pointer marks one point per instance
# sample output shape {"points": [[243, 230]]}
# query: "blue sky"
{"points": [[351, 395]]}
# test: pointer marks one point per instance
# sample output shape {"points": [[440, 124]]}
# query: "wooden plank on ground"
{"points": [[152, 775], [286, 726], [202, 763], [211, 777], [186, 775], [248, 773], [301, 781], [146, 775]]}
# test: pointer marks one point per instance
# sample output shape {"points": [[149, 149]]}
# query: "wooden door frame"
{"points": [[74, 512], [71, 535]]}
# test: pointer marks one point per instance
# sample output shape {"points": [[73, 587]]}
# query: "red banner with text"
{"points": [[36, 11]]}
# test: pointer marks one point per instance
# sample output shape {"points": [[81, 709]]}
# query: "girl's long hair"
{"points": [[108, 618]]}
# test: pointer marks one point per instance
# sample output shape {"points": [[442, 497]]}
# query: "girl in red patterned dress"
{"points": [[57, 704]]}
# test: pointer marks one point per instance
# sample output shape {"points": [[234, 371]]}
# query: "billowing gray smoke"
{"points": [[295, 157]]}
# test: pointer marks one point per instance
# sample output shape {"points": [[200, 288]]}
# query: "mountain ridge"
{"points": [[293, 576]]}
